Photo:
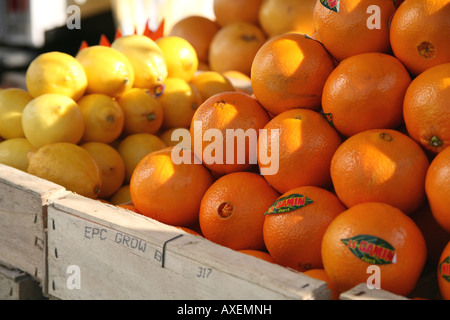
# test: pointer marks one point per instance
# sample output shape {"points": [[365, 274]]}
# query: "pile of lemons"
{"points": [[85, 121]]}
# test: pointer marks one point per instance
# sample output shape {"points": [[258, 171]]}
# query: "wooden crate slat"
{"points": [[118, 254], [23, 198], [17, 285], [362, 292]]}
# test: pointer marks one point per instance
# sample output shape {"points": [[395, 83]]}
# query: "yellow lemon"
{"points": [[143, 113], [146, 58], [56, 72], [135, 147], [111, 165], [181, 57], [14, 153], [103, 118], [68, 165], [179, 101], [12, 103], [52, 118], [240, 81], [108, 71], [122, 196], [209, 83], [169, 139]]}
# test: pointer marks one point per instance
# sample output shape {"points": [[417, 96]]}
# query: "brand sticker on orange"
{"points": [[333, 5], [289, 203], [444, 269], [371, 249]]}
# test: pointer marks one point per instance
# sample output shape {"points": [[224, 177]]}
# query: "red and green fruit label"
{"points": [[371, 249], [289, 203], [333, 5], [444, 269]]}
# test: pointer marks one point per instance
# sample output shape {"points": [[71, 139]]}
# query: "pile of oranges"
{"points": [[356, 93]]}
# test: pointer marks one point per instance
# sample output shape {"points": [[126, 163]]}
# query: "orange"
{"points": [[366, 91], [444, 273], [199, 31], [435, 236], [179, 101], [379, 236], [228, 118], [281, 16], [437, 186], [190, 231], [103, 118], [289, 71], [359, 26], [380, 165], [425, 108], [306, 145], [232, 210], [168, 192], [420, 34], [229, 11], [295, 224], [321, 274], [258, 254], [142, 112], [234, 47], [209, 83]]}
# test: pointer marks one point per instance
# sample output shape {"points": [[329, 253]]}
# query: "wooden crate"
{"points": [[18, 285], [362, 292], [427, 288], [23, 199], [99, 251]]}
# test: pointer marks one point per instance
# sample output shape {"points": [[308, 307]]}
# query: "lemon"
{"points": [[12, 103], [179, 101], [111, 165], [52, 118], [143, 113], [68, 165], [122, 196], [181, 57], [103, 118], [146, 58], [56, 72], [135, 147], [209, 83], [108, 71], [240, 81], [166, 137], [14, 153]]}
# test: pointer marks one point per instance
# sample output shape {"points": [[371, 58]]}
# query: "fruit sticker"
{"points": [[371, 249], [333, 5], [444, 269], [329, 118], [289, 203]]}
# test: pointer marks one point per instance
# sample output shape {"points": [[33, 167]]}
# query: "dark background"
{"points": [[60, 39]]}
